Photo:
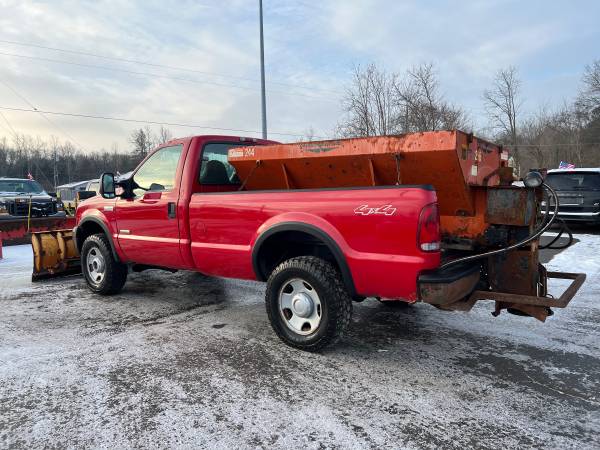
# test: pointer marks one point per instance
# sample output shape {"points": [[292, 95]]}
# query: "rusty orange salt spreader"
{"points": [[489, 227]]}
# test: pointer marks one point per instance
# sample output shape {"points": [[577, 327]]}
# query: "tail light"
{"points": [[428, 234]]}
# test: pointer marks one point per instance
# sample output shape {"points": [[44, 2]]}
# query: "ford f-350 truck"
{"points": [[319, 249]]}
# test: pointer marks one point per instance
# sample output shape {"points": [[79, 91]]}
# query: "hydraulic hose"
{"points": [[563, 228], [548, 223]]}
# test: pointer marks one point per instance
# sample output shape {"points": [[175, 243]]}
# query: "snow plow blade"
{"points": [[54, 254]]}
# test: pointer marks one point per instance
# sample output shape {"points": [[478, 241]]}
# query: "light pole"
{"points": [[262, 74]]}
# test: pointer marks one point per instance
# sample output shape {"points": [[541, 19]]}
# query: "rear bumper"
{"points": [[578, 216], [455, 290]]}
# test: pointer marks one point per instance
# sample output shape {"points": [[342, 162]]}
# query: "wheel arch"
{"points": [[93, 225], [284, 230]]}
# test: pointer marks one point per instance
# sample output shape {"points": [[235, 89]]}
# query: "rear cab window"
{"points": [[215, 168], [574, 181]]}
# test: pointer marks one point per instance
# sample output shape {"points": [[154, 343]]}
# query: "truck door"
{"points": [[148, 229]]}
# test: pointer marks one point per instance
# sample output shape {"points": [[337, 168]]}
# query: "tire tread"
{"points": [[340, 302], [116, 272]]}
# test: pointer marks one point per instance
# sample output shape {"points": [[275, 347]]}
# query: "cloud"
{"points": [[310, 50]]}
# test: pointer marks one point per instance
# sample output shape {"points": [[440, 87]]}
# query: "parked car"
{"points": [[22, 197], [578, 194], [71, 193]]}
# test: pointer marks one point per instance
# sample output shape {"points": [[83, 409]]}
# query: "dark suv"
{"points": [[21, 197], [578, 194]]}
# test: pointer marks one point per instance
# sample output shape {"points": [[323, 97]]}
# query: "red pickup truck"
{"points": [[317, 249]]}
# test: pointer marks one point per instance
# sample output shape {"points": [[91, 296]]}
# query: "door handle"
{"points": [[171, 211]]}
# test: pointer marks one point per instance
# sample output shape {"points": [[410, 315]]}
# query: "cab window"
{"points": [[158, 173], [215, 168]]}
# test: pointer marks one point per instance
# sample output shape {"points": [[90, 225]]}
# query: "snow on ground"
{"points": [[15, 266], [181, 360]]}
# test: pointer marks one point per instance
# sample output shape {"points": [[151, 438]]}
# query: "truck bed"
{"points": [[383, 261]]}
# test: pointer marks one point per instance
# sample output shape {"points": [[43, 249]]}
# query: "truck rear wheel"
{"points": [[307, 303], [103, 274]]}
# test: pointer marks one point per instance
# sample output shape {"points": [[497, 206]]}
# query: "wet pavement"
{"points": [[182, 360]]}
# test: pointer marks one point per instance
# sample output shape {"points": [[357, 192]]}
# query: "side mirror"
{"points": [[107, 185]]}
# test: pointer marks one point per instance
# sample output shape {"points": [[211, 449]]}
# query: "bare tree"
{"points": [[420, 105], [308, 135], [503, 104], [142, 142], [381, 103], [164, 135], [369, 104], [588, 100]]}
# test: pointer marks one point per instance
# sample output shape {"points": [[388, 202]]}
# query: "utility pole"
{"points": [[55, 168], [262, 74]]}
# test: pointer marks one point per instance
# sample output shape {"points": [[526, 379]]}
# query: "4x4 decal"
{"points": [[366, 210]]}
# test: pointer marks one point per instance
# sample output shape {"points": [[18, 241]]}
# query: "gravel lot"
{"points": [[188, 361]]}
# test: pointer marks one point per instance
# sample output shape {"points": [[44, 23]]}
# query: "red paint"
{"points": [[215, 231], [16, 228]]}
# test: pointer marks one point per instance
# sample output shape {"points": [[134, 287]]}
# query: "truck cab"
{"points": [[186, 208]]}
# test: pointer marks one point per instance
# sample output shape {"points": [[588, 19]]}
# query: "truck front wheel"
{"points": [[103, 274], [307, 303]]}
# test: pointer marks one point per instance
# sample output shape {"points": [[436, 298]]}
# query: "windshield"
{"points": [[21, 186]]}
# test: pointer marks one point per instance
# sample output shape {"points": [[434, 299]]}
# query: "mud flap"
{"points": [[441, 288]]}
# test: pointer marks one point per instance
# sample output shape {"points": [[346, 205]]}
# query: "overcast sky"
{"points": [[311, 48]]}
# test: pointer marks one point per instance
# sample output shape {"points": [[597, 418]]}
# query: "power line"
{"points": [[205, 127], [154, 75], [16, 136], [150, 122], [12, 130], [163, 66], [41, 113]]}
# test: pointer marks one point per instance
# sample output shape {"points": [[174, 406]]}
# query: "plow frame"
{"points": [[561, 302], [531, 305]]}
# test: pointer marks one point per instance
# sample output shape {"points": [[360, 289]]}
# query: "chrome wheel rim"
{"points": [[96, 266], [300, 306]]}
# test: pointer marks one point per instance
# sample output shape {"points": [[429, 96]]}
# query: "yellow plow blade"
{"points": [[54, 254]]}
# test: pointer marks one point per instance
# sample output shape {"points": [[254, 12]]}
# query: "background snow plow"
{"points": [[54, 252]]}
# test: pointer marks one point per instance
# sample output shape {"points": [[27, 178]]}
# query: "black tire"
{"points": [[335, 305], [114, 272]]}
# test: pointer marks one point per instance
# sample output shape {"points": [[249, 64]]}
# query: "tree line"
{"points": [[376, 102], [379, 102], [53, 162]]}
